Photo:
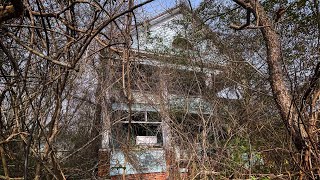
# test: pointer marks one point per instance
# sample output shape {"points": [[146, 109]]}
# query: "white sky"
{"points": [[159, 6]]}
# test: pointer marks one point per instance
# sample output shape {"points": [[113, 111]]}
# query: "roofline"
{"points": [[196, 22], [165, 15]]}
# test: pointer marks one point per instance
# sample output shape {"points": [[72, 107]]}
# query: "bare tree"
{"points": [[299, 115], [44, 45]]}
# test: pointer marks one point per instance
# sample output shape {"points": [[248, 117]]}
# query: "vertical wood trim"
{"points": [[168, 145]]}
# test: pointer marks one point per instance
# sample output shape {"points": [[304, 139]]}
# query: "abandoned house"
{"points": [[172, 69]]}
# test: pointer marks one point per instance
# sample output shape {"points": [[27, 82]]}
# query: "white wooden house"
{"points": [[171, 68]]}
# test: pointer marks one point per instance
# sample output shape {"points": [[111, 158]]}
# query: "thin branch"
{"points": [[104, 24], [243, 4], [237, 27], [245, 25], [40, 54], [10, 57]]}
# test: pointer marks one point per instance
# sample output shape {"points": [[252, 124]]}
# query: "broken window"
{"points": [[145, 129]]}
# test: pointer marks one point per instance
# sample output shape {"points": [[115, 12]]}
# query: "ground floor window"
{"points": [[145, 129]]}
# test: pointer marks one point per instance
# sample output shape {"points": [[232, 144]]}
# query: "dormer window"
{"points": [[181, 43]]}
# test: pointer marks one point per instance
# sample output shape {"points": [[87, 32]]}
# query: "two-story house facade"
{"points": [[173, 71]]}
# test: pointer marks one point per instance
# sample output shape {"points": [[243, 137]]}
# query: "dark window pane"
{"points": [[154, 117], [144, 77]]}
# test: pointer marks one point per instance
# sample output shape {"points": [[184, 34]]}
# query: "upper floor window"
{"points": [[145, 77], [181, 43], [186, 82]]}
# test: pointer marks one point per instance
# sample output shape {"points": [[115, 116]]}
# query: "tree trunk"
{"points": [[281, 94], [300, 130]]}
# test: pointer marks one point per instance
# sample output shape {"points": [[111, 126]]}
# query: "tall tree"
{"points": [[299, 115], [43, 46]]}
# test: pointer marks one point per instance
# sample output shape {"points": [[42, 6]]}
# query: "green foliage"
{"points": [[243, 154]]}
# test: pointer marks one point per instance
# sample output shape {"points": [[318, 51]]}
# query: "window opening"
{"points": [[181, 43], [145, 129]]}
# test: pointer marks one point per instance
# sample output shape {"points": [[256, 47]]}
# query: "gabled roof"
{"points": [[179, 9], [197, 23]]}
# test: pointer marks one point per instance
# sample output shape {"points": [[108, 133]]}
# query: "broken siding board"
{"points": [[147, 161], [134, 107], [140, 122], [193, 105]]}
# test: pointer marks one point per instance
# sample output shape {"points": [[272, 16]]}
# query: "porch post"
{"points": [[105, 150], [168, 144]]}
